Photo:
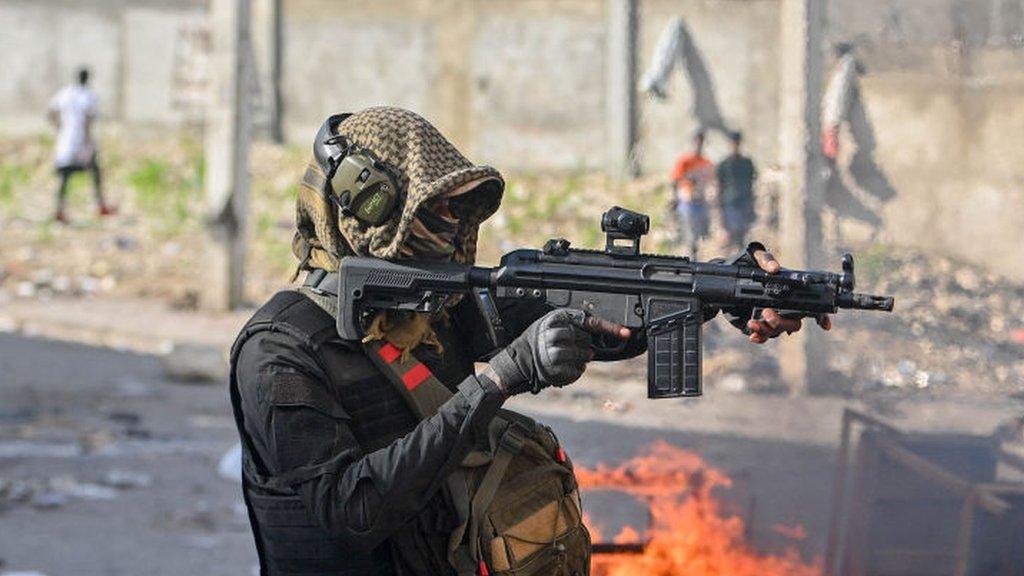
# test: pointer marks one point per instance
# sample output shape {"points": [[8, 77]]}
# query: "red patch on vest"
{"points": [[389, 352], [483, 569], [416, 375], [560, 455]]}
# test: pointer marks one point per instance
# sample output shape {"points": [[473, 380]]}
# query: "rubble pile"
{"points": [[955, 326], [57, 491], [955, 329]]}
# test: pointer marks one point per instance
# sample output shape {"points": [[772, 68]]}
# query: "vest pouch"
{"points": [[293, 542], [567, 555]]}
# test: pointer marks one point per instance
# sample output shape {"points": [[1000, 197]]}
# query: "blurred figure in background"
{"points": [[736, 175], [856, 186], [676, 48], [72, 111], [840, 91], [692, 176]]}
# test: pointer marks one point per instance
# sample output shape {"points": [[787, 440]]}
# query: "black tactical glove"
{"points": [[553, 351]]}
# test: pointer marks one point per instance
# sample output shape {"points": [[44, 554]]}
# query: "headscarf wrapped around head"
{"points": [[426, 166]]}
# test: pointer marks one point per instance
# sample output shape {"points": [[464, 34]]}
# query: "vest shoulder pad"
{"points": [[294, 314]]}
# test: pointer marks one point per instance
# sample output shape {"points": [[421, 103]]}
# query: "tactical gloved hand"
{"points": [[553, 351]]}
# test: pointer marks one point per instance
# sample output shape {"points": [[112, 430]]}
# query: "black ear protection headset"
{"points": [[361, 185]]}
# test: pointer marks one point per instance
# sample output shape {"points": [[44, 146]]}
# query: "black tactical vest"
{"points": [[288, 540]]}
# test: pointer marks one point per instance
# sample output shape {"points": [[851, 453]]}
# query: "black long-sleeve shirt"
{"points": [[376, 469], [736, 175], [387, 466]]}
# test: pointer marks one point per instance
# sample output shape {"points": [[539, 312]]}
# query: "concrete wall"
{"points": [[538, 89], [130, 45], [524, 83], [943, 89], [956, 164], [375, 55], [528, 84], [738, 40], [516, 82]]}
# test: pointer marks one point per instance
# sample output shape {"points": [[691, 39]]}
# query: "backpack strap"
{"points": [[425, 394], [422, 391], [510, 444]]}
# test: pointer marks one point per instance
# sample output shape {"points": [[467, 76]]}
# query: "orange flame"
{"points": [[689, 534]]}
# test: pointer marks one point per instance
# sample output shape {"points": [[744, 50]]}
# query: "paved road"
{"points": [[90, 411], [82, 412]]}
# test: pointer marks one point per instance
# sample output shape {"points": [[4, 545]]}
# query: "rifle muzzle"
{"points": [[865, 301]]}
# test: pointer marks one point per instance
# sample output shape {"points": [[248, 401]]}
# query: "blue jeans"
{"points": [[692, 224], [738, 220]]}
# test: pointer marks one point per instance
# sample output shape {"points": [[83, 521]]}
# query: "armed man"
{"points": [[390, 456]]}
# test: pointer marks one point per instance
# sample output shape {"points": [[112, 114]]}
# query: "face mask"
{"points": [[432, 233]]}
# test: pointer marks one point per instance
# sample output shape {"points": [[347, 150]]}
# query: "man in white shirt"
{"points": [[72, 111]]}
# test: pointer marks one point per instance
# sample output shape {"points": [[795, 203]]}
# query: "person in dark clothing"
{"points": [[736, 175], [339, 476]]}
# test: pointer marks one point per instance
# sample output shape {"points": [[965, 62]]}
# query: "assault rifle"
{"points": [[666, 297]]}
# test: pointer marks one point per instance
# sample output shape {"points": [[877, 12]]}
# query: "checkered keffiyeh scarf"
{"points": [[427, 166]]}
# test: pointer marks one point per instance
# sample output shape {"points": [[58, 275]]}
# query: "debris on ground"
{"points": [[75, 489], [230, 465], [197, 364], [208, 518], [952, 331], [54, 492], [127, 479]]}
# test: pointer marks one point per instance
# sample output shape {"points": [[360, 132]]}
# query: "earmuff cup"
{"points": [[363, 188], [357, 182]]}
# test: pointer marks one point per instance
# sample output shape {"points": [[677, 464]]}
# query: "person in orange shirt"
{"points": [[692, 176]]}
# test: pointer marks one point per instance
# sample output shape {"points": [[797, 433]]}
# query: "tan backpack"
{"points": [[516, 498]]}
